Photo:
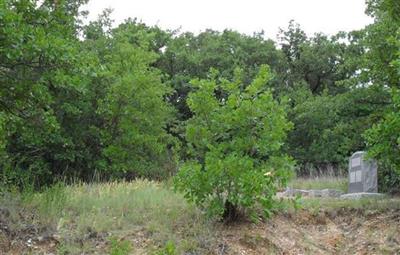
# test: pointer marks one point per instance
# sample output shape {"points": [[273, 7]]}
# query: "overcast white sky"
{"points": [[245, 16]]}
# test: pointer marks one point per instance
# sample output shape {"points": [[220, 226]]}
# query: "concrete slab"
{"points": [[360, 195], [311, 193]]}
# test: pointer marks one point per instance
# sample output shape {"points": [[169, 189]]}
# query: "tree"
{"points": [[384, 71], [292, 40], [74, 107], [134, 113], [328, 128], [235, 136], [319, 61], [188, 56], [383, 141], [41, 87]]}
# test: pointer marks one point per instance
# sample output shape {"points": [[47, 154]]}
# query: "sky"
{"points": [[245, 16]]}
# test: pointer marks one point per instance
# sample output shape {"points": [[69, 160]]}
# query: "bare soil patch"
{"points": [[343, 231]]}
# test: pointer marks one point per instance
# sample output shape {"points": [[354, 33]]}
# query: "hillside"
{"points": [[149, 218]]}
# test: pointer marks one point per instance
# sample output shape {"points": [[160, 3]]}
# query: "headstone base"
{"points": [[289, 192], [360, 195]]}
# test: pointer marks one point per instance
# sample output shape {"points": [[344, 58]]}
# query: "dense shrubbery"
{"points": [[383, 138], [384, 144], [75, 109]]}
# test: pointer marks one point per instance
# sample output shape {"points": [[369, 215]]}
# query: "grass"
{"points": [[120, 247], [144, 217], [325, 182], [363, 204], [331, 204], [138, 216]]}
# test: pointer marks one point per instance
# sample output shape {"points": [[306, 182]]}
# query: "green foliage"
{"points": [[328, 128], [235, 137], [325, 110], [383, 141], [190, 56], [91, 100], [120, 247], [319, 61], [383, 138], [168, 249], [314, 138], [40, 62], [133, 110], [338, 90], [75, 108]]}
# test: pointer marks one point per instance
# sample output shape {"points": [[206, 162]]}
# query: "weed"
{"points": [[168, 249], [123, 208], [51, 202], [119, 247]]}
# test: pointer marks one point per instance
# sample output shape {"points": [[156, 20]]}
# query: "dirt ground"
{"points": [[344, 231], [341, 231]]}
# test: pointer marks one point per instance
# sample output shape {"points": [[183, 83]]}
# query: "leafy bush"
{"points": [[234, 137], [383, 141]]}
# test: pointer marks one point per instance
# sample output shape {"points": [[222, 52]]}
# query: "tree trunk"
{"points": [[231, 212]]}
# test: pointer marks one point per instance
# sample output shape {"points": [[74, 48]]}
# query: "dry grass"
{"points": [[325, 182], [144, 217], [364, 205], [90, 218]]}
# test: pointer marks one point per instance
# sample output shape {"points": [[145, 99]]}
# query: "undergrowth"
{"points": [[324, 182], [141, 217], [122, 210]]}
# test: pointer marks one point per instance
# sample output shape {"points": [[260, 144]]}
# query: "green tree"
{"points": [[384, 71], [328, 128], [235, 137], [336, 93], [318, 61], [188, 56], [41, 87], [71, 107], [134, 113], [383, 141]]}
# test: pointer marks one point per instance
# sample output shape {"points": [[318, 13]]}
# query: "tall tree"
{"points": [[134, 113], [40, 85], [384, 71]]}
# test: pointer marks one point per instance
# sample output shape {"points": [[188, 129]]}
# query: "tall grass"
{"points": [[324, 182], [123, 209], [143, 217]]}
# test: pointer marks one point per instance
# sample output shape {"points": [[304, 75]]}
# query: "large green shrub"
{"points": [[383, 141], [235, 137]]}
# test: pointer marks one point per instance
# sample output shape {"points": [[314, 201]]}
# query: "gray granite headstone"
{"points": [[363, 174]]}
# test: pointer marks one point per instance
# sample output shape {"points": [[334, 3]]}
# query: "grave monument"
{"points": [[363, 174]]}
